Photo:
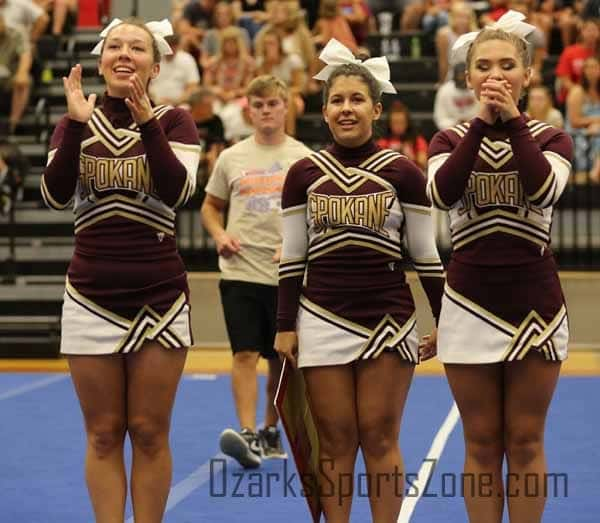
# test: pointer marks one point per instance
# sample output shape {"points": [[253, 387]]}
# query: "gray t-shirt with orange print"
{"points": [[250, 176]]}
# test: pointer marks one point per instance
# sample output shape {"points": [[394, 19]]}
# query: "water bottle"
{"points": [[385, 47], [415, 47], [47, 75], [385, 23], [395, 50]]}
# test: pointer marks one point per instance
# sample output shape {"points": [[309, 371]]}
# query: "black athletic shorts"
{"points": [[250, 311]]}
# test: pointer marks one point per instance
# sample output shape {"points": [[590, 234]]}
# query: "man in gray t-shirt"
{"points": [[246, 183]]}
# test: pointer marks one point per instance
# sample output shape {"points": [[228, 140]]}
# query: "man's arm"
{"points": [[213, 218]]}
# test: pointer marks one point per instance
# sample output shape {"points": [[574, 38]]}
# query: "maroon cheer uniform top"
{"points": [[350, 217], [125, 183], [499, 184]]}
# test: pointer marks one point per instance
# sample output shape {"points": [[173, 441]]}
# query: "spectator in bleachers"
{"points": [[232, 68], [540, 107], [227, 75], [195, 20], [26, 16], [538, 44], [569, 19], [288, 20], [497, 8], [210, 130], [461, 20], [413, 16], [223, 18], [287, 67], [15, 65], [454, 102], [250, 14], [178, 77], [570, 63], [402, 137], [14, 166], [436, 16], [583, 116], [540, 13], [32, 20], [177, 7], [358, 15], [63, 15], [332, 24]]}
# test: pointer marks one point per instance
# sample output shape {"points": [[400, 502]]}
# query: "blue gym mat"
{"points": [[43, 444]]}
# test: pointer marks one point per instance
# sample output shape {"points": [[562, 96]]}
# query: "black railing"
{"points": [[575, 227], [576, 231]]}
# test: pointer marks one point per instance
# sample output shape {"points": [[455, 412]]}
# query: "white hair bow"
{"points": [[335, 54], [511, 22], [158, 29]]}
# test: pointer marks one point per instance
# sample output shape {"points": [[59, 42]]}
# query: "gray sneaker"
{"points": [[242, 446], [270, 443]]}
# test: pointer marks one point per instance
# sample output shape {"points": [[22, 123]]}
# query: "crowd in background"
{"points": [[219, 46]]}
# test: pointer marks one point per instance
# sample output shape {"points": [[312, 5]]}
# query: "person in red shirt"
{"points": [[403, 138], [570, 63], [497, 9]]}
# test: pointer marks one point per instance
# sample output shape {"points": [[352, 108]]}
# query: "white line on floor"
{"points": [[28, 387], [201, 377], [198, 478], [435, 451]]}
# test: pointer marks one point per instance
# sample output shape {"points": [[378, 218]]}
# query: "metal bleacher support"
{"points": [[30, 320], [29, 336], [30, 309]]}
